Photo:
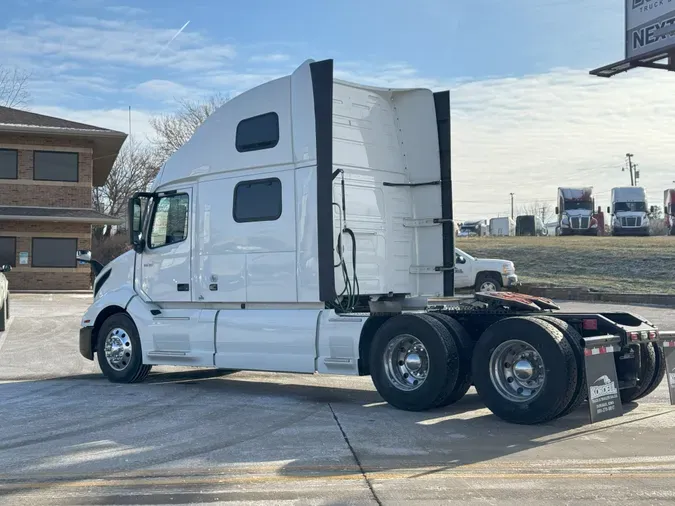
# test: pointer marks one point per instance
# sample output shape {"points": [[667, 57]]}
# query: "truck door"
{"points": [[166, 260]]}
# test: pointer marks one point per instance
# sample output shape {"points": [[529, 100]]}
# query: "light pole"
{"points": [[512, 194]]}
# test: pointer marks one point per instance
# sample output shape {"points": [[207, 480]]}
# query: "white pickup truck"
{"points": [[4, 297], [484, 274]]}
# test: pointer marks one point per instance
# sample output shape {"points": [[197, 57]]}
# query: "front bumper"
{"points": [[630, 230], [86, 349], [509, 279]]}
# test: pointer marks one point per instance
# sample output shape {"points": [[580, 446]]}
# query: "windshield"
{"points": [[586, 205], [636, 207]]}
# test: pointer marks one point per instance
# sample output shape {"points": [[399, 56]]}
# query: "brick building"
{"points": [[48, 167]]}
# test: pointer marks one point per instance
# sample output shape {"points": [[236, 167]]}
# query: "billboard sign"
{"points": [[649, 26]]}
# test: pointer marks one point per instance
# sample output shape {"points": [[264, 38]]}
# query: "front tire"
{"points": [[524, 370], [119, 350], [488, 282], [414, 362]]}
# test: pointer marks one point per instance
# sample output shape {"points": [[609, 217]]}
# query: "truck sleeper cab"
{"points": [[307, 227]]}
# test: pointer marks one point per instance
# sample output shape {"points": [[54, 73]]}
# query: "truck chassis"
{"points": [[529, 361]]}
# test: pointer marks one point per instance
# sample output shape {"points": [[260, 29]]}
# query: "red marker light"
{"points": [[589, 324]]}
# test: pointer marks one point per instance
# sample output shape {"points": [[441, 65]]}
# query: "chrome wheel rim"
{"points": [[517, 371], [118, 349], [488, 286], [406, 362]]}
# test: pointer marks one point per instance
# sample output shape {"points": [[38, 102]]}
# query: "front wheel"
{"points": [[488, 282], [119, 350]]}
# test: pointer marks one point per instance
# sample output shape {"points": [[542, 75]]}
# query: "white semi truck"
{"points": [[307, 227], [629, 211]]}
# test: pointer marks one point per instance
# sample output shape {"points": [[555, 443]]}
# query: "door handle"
{"points": [[183, 287], [149, 264]]}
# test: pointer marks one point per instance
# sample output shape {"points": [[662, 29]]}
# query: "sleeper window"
{"points": [[170, 221], [258, 200], [258, 132]]}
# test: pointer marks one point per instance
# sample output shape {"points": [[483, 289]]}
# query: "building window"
{"points": [[9, 164], [170, 220], [8, 251], [258, 132], [53, 252], [55, 166], [258, 200]]}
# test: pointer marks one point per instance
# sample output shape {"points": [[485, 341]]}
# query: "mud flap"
{"points": [[604, 401], [669, 354]]}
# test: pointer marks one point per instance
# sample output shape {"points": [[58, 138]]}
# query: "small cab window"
{"points": [[8, 251], [258, 132], [54, 252], [170, 220], [258, 200], [9, 164], [55, 166]]}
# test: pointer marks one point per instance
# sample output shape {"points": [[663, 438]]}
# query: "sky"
{"points": [[526, 115]]}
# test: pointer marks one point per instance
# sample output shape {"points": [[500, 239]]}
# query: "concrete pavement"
{"points": [[195, 437]]}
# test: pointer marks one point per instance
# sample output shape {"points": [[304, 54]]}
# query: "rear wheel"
{"points": [[646, 374], [574, 340], [413, 362], [464, 346], [119, 350], [660, 372], [488, 282], [524, 370]]}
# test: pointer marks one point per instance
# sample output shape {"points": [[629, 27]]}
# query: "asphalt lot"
{"points": [[68, 436]]}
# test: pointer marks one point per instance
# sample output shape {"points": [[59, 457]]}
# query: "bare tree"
{"points": [[175, 129], [13, 87], [133, 171], [544, 210]]}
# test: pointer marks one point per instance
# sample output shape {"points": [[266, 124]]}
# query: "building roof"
{"points": [[106, 143], [56, 214]]}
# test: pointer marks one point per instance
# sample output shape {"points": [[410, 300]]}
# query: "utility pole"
{"points": [[630, 167], [512, 194]]}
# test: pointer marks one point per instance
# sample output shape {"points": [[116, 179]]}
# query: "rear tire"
{"points": [[659, 373], [539, 362], [646, 375], [119, 350], [414, 362], [464, 346], [574, 339]]}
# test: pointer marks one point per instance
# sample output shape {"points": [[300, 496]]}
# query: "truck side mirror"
{"points": [[135, 216], [557, 211], [6, 268], [460, 259], [83, 256]]}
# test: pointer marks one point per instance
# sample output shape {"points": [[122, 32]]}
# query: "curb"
{"points": [[585, 294]]}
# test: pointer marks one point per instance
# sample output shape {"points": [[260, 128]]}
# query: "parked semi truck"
{"points": [[307, 227], [575, 212], [629, 211], [669, 210]]}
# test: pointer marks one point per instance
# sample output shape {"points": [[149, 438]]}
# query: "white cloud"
{"points": [[125, 10], [270, 58], [160, 89], [113, 118], [99, 41]]}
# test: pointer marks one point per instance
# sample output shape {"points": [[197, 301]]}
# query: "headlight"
{"points": [[565, 220], [508, 268], [616, 222], [645, 220]]}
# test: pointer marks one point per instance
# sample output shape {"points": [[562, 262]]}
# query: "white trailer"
{"points": [[307, 227], [503, 226]]}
